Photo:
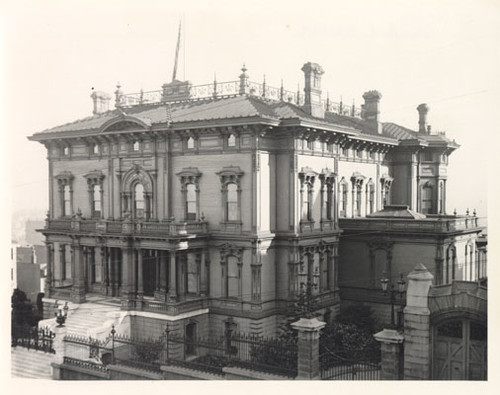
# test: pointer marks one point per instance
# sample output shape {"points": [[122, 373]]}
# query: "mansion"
{"points": [[215, 205]]}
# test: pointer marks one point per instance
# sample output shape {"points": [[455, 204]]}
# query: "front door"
{"points": [[460, 351]]}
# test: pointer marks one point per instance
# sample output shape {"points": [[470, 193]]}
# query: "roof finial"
{"points": [[177, 53]]}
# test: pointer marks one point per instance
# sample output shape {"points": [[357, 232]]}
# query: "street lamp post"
{"points": [[389, 288]]}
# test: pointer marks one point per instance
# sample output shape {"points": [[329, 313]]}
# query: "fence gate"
{"points": [[335, 367]]}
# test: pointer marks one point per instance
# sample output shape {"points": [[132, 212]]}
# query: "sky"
{"points": [[442, 53]]}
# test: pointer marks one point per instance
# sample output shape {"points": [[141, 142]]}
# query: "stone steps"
{"points": [[31, 364], [86, 317]]}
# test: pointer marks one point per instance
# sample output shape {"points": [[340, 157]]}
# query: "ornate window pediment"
{"points": [[230, 174], [95, 177], [307, 176], [189, 175], [386, 181], [65, 178], [357, 180], [327, 177]]}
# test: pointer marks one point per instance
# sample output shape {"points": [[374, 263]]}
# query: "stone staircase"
{"points": [[31, 364], [83, 319], [93, 318]]}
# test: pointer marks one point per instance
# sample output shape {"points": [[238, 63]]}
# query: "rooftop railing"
{"points": [[231, 88]]}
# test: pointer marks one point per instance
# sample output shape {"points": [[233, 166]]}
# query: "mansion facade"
{"points": [[218, 204]]}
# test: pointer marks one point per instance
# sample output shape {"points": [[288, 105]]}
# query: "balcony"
{"points": [[126, 227], [431, 224]]}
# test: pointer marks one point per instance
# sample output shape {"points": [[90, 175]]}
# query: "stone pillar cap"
{"points": [[420, 273], [389, 336], [308, 324]]}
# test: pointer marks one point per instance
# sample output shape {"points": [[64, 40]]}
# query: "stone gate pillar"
{"points": [[391, 349], [417, 350], [308, 348]]}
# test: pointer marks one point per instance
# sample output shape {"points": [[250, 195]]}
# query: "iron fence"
{"points": [[334, 367], [211, 355], [33, 338]]}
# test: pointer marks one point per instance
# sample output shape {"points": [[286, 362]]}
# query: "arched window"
{"points": [[139, 201], [233, 277], [95, 149], [232, 202], [67, 200], [191, 202], [96, 203], [135, 146], [66, 151], [231, 140], [190, 143]]}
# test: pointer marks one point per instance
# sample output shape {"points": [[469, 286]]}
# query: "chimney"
{"points": [[101, 102], [312, 90], [371, 110], [423, 109]]}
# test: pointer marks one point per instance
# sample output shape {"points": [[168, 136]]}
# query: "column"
{"points": [[111, 280], [158, 270], [391, 354], [105, 270], [86, 271], [163, 275], [128, 291], [50, 269], [308, 348], [198, 272], [172, 289], [140, 273], [78, 290]]}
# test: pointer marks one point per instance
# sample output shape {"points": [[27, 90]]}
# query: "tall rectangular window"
{"points": [[96, 203], [67, 200], [305, 205], [232, 202], [233, 277], [343, 200], [191, 206]]}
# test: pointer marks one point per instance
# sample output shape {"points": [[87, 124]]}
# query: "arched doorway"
{"points": [[460, 350]]}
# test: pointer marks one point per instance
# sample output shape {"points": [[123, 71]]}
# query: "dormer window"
{"points": [[135, 146], [231, 140]]}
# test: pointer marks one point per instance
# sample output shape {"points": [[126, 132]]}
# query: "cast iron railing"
{"points": [[334, 367], [33, 338], [209, 355]]}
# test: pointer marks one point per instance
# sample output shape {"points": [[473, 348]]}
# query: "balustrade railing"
{"points": [[169, 228], [430, 224]]}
